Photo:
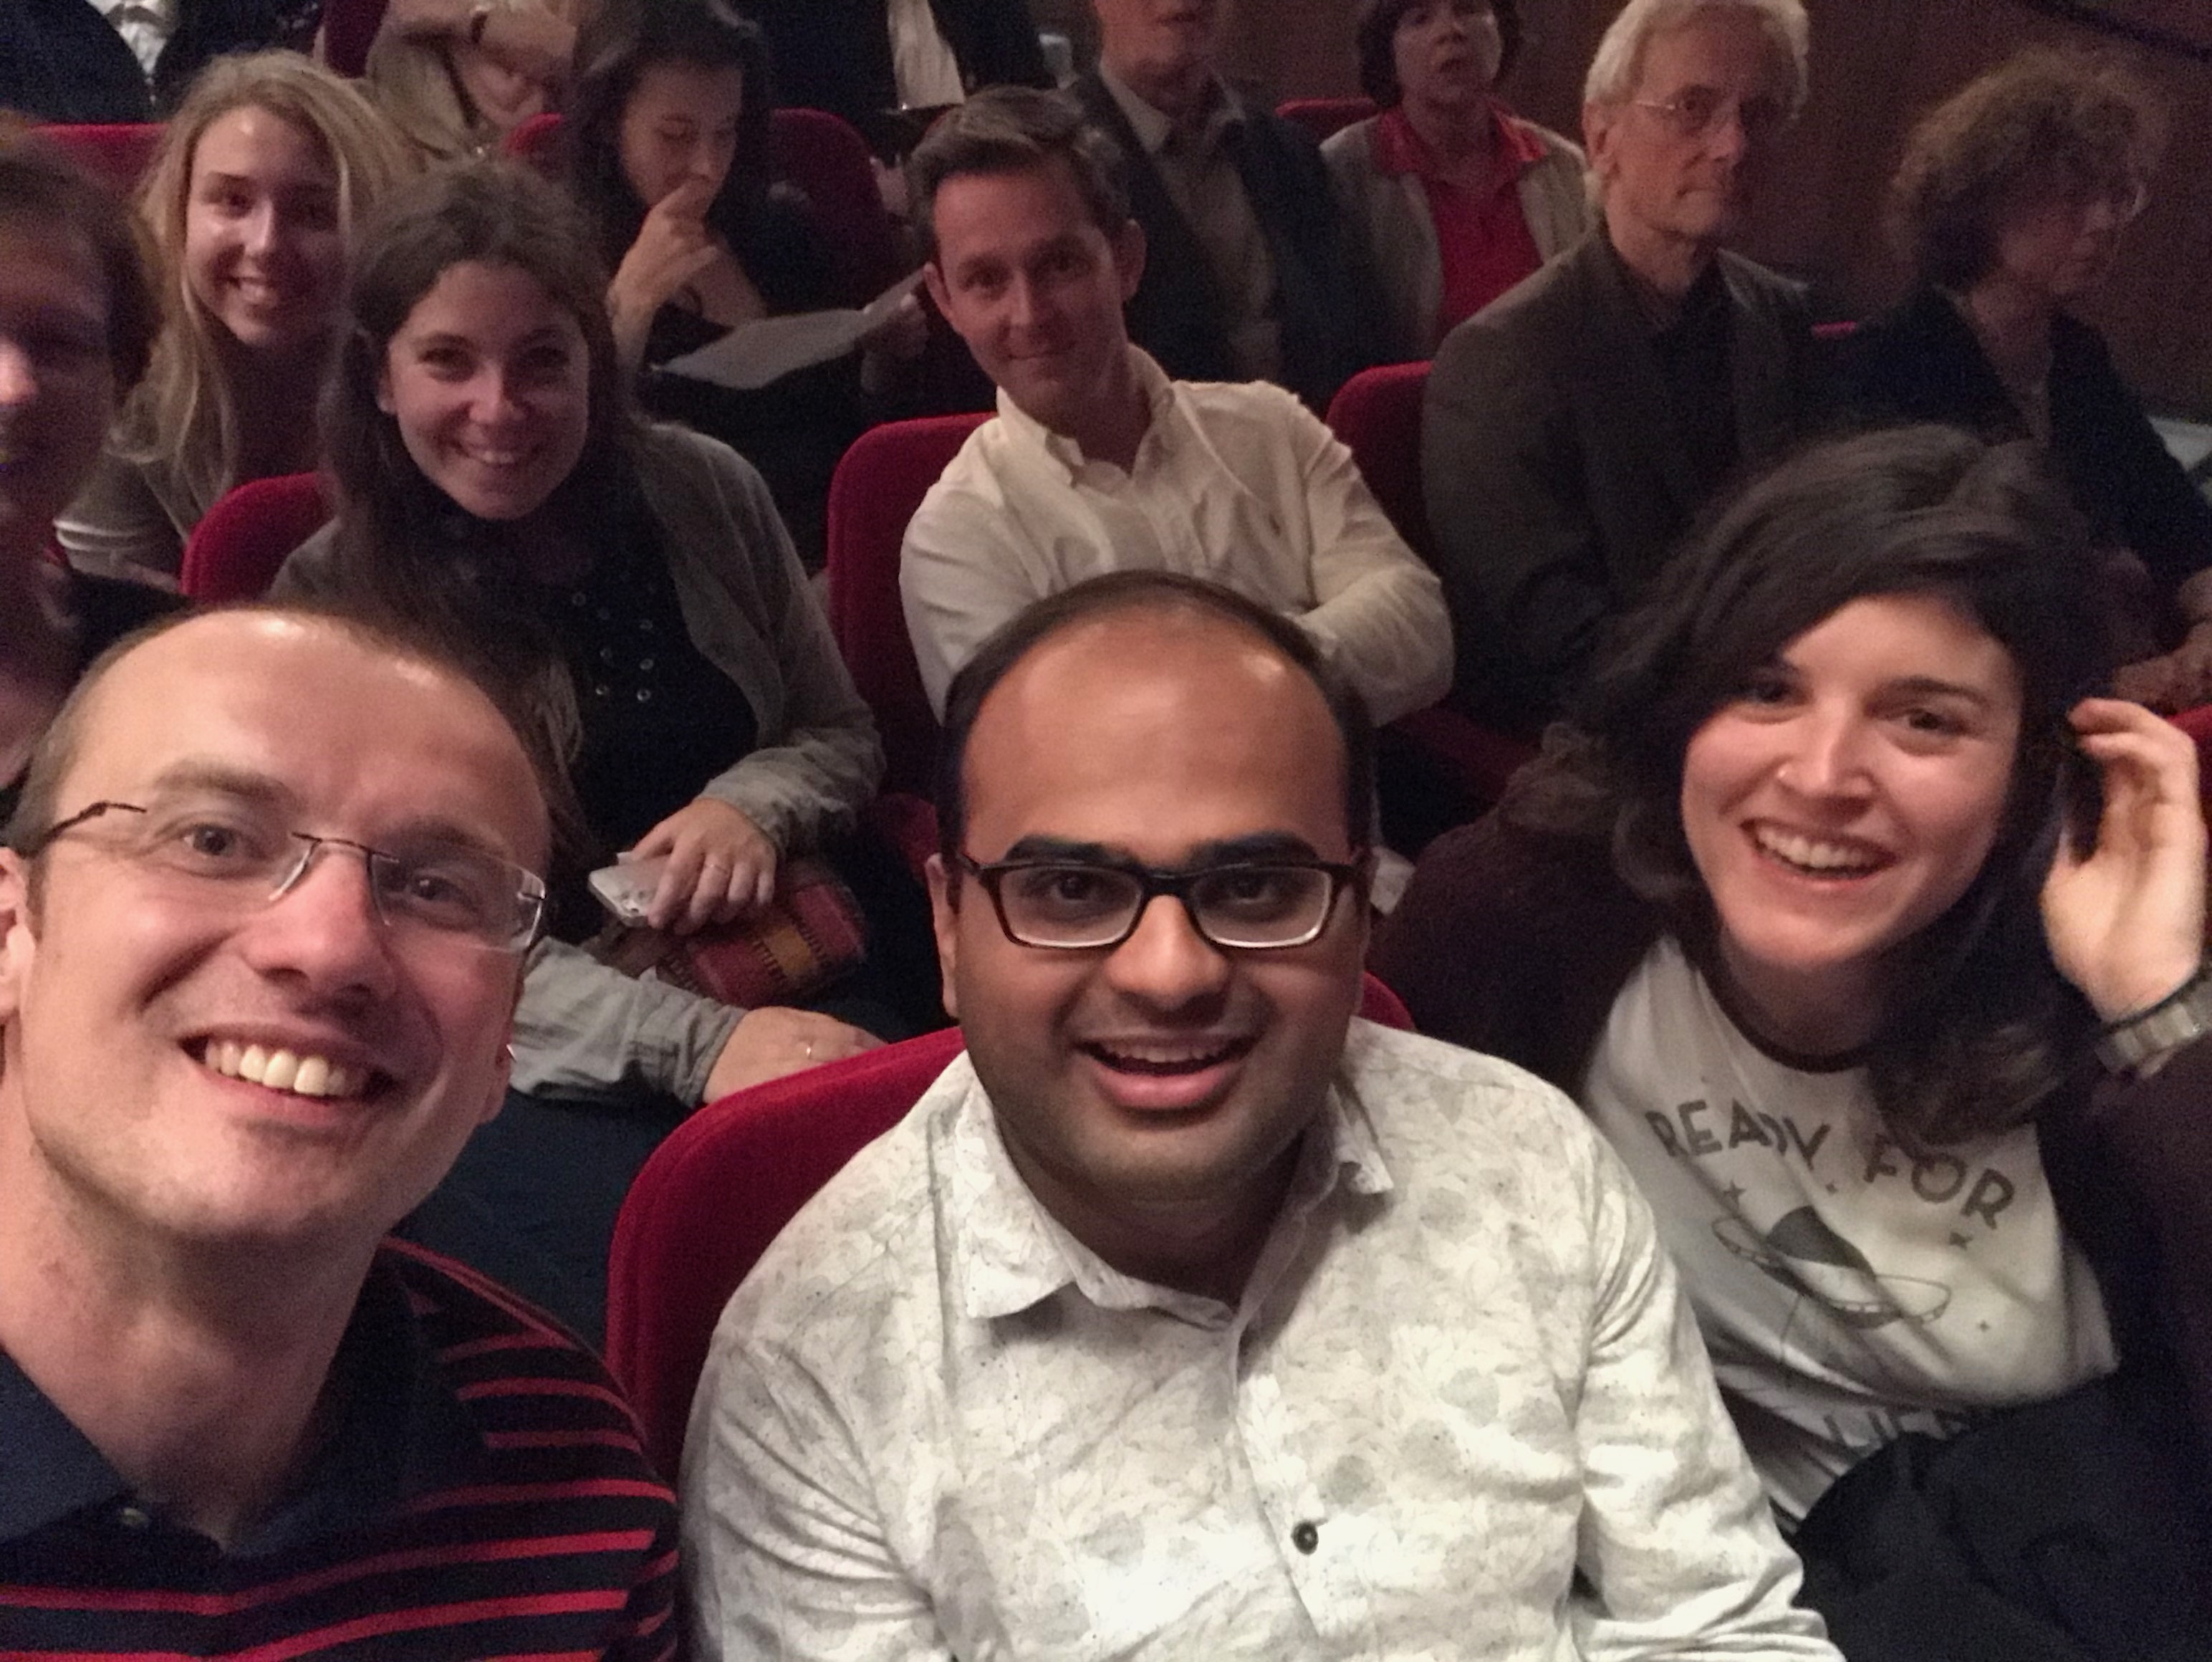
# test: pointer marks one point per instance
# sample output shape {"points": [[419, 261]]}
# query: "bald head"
{"points": [[1169, 601]]}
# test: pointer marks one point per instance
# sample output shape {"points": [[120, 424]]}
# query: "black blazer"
{"points": [[835, 55], [1554, 466], [1921, 362], [1330, 309], [60, 60]]}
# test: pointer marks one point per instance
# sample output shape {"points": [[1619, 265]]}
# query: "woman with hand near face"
{"points": [[668, 147], [2011, 203], [260, 178], [1811, 907], [76, 324], [1458, 198]]}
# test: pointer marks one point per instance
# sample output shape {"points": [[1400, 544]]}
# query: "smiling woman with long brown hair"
{"points": [[1812, 906]]}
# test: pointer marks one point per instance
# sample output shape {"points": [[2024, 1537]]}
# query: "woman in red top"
{"points": [[1458, 199]]}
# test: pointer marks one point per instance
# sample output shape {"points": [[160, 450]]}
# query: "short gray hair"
{"points": [[1618, 61]]}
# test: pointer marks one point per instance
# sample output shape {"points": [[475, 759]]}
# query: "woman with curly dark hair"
{"points": [[1457, 198], [1811, 908], [668, 137], [2009, 205]]}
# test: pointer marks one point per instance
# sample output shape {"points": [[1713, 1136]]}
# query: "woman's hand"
{"points": [[674, 247], [720, 865], [772, 1041], [2126, 920]]}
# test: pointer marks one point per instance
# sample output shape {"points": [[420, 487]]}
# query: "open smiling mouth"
{"points": [[1816, 856], [278, 1069], [1168, 1060]]}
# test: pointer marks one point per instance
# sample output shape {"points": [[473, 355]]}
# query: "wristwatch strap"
{"points": [[2133, 1043]]}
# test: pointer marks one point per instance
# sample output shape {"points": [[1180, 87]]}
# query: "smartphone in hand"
{"points": [[626, 887]]}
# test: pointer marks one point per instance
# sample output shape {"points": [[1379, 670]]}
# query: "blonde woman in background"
{"points": [[251, 202], [457, 92]]}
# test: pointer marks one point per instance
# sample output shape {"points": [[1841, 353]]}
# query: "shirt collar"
{"points": [[1400, 150], [1007, 1253], [1027, 433], [1154, 127], [398, 1432]]}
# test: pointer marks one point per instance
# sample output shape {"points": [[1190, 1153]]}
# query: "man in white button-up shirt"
{"points": [[1097, 462], [1186, 1317]]}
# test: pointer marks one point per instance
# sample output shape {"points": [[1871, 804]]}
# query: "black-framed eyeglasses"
{"points": [[238, 853], [1698, 111], [1080, 905]]}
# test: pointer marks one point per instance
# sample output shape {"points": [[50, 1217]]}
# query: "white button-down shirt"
{"points": [[1236, 481], [922, 64], [934, 1425], [144, 25]]}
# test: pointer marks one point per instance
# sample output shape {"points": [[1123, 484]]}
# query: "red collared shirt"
{"points": [[1481, 233]]}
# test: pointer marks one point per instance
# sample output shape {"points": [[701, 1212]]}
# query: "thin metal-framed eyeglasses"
{"points": [[1700, 110], [2127, 198], [1080, 905], [443, 888]]}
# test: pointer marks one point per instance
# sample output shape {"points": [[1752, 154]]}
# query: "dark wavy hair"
{"points": [[404, 551], [2045, 123], [1979, 1025], [1374, 37], [628, 38]]}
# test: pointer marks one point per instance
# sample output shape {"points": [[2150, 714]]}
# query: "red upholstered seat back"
{"points": [[723, 1186], [537, 142], [824, 157], [115, 152], [1377, 414], [233, 551], [1326, 116], [878, 484]]}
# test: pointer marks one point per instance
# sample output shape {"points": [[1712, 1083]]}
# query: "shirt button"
{"points": [[1305, 1538], [134, 1517]]}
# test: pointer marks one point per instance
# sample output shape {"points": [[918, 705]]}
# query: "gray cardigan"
{"points": [[584, 1029], [1391, 212]]}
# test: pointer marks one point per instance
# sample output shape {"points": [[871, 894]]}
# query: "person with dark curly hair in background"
{"points": [[2009, 204]]}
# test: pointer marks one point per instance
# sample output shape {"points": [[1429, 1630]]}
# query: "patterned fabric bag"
{"points": [[810, 934]]}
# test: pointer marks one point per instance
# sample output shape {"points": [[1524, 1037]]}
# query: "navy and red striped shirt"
{"points": [[483, 1493]]}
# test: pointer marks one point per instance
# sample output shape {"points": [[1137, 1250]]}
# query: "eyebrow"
{"points": [[223, 779], [1226, 851], [1931, 686]]}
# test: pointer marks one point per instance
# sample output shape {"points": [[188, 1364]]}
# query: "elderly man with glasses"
{"points": [[265, 905], [1575, 425], [1187, 1316]]}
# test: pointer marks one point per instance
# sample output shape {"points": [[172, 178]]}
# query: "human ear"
{"points": [[945, 919]]}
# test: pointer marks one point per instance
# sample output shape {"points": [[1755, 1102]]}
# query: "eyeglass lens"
{"points": [[1076, 905]]}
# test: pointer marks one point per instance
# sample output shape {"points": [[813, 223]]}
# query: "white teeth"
{"points": [[1811, 855], [284, 1070]]}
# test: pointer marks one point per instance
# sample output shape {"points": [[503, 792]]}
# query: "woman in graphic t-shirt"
{"points": [[1812, 908]]}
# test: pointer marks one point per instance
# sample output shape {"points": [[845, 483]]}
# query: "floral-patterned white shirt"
{"points": [[934, 1425]]}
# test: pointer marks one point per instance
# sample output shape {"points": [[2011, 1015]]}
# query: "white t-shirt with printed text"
{"points": [[1848, 1290]]}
